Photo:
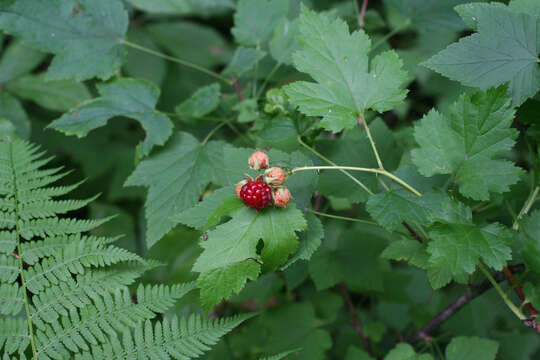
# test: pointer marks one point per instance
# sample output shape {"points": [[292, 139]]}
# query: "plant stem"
{"points": [[514, 283], [502, 294], [404, 26], [177, 60], [268, 78], [322, 157], [357, 325], [526, 207], [362, 121], [211, 133], [344, 218], [360, 14], [237, 89], [19, 253], [352, 168]]}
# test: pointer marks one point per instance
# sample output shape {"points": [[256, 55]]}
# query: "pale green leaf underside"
{"points": [[346, 84], [132, 98], [93, 30]]}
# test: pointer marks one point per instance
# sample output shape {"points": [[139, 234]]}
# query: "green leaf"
{"points": [[18, 59], [176, 178], [133, 98], [464, 142], [209, 212], [403, 351], [505, 49], [140, 64], [335, 261], [310, 240], [58, 95], [354, 353], [530, 227], [393, 207], [184, 7], [531, 7], [408, 250], [205, 100], [346, 84], [471, 348], [243, 61], [255, 20], [283, 43], [221, 283], [456, 248], [12, 110], [92, 28]]}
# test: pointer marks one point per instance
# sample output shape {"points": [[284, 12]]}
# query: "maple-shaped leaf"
{"points": [[85, 35], [176, 178], [455, 249], [471, 348], [236, 241], [505, 49], [132, 98], [464, 142], [346, 83], [404, 351]]}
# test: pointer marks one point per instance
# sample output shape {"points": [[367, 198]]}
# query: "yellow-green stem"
{"points": [[370, 170], [526, 207], [344, 218], [371, 141], [211, 133]]}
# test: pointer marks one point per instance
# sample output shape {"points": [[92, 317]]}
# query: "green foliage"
{"points": [[411, 233]]}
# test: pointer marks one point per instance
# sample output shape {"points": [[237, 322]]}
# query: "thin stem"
{"points": [[21, 263], [404, 26], [237, 89], [344, 218], [370, 170], [526, 207], [502, 294], [268, 78], [363, 122], [176, 60], [357, 325], [211, 133], [362, 13], [322, 157]]}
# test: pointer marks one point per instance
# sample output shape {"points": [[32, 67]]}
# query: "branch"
{"points": [[471, 293], [413, 232], [519, 291], [356, 320]]}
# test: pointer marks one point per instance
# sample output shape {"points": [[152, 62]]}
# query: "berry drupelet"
{"points": [[256, 194]]}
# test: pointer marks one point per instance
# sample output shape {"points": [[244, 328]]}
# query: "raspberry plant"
{"points": [[390, 147]]}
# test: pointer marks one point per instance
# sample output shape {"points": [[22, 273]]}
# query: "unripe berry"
{"points": [[275, 176], [239, 187], [281, 196], [258, 160]]}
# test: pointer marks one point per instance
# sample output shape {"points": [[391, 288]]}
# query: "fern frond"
{"points": [[57, 227], [9, 269], [8, 220], [66, 296], [45, 193], [36, 250], [167, 339], [13, 335], [73, 259], [36, 182], [48, 208], [11, 299], [108, 314], [8, 242]]}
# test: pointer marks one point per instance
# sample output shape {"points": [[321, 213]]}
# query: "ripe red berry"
{"points": [[256, 194]]}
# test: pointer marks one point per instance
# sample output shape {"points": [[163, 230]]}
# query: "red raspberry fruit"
{"points": [[256, 194]]}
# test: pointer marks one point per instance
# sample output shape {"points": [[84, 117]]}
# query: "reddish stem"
{"points": [[237, 88], [357, 325], [362, 15], [519, 291], [413, 232]]}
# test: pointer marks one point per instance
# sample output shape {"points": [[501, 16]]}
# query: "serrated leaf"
{"points": [[243, 61], [471, 348], [393, 207], [464, 142], [407, 250], [505, 49], [530, 227], [531, 7], [203, 101], [208, 212], [405, 351], [456, 248], [255, 20], [350, 254], [85, 35], [133, 98], [184, 7], [283, 43], [60, 95], [346, 84], [176, 178], [310, 240], [221, 283]]}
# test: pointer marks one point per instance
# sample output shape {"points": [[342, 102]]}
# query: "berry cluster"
{"points": [[265, 189]]}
